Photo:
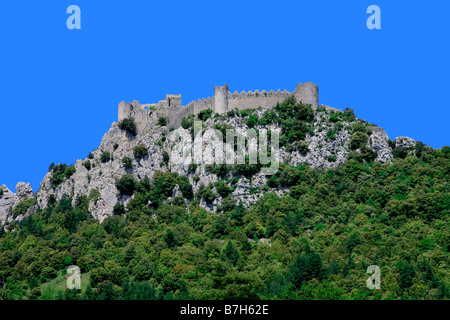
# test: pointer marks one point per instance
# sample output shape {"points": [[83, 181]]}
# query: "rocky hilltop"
{"points": [[330, 137]]}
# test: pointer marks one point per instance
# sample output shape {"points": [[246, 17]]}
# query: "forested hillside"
{"points": [[315, 242], [311, 235]]}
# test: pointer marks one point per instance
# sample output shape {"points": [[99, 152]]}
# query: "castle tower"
{"points": [[125, 110], [307, 93], [173, 100], [221, 99]]}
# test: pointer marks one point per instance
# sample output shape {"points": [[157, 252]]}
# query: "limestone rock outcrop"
{"points": [[97, 179], [379, 140], [9, 200], [401, 142]]}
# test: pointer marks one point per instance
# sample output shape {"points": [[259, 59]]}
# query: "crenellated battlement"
{"points": [[222, 101]]}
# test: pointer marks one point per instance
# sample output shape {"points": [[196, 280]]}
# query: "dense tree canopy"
{"points": [[323, 235]]}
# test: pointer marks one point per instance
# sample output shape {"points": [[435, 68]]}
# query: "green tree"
{"points": [[128, 125], [230, 253], [170, 239], [306, 266], [407, 274], [126, 185], [119, 209], [353, 241]]}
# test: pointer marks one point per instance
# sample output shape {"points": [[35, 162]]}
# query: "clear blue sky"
{"points": [[60, 88]]}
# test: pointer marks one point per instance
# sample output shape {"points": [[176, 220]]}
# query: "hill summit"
{"points": [[320, 136]]}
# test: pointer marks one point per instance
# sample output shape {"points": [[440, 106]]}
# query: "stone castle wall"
{"points": [[221, 102]]}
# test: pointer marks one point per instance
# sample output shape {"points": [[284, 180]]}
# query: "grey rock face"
{"points": [[101, 178], [9, 200], [23, 190], [176, 191], [99, 181], [379, 140], [401, 142]]}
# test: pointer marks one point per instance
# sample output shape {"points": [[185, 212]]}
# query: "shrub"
{"points": [[140, 151], [204, 114], [289, 108], [166, 157], [23, 206], [127, 162], [268, 117], [187, 123], [206, 193], [60, 173], [1, 191], [333, 118], [358, 127], [331, 158], [119, 209], [105, 157], [163, 184], [330, 134], [303, 147], [221, 170], [126, 185], [69, 171], [143, 186], [252, 121], [90, 156], [231, 113], [349, 115], [358, 140], [419, 148], [228, 204], [401, 153], [48, 273], [178, 201], [192, 167], [222, 188], [128, 125], [368, 154], [162, 121], [93, 195], [274, 181], [87, 164]]}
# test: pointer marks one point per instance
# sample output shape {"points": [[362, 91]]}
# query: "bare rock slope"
{"points": [[97, 175]]}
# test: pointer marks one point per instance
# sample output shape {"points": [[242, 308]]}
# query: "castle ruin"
{"points": [[221, 102]]}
